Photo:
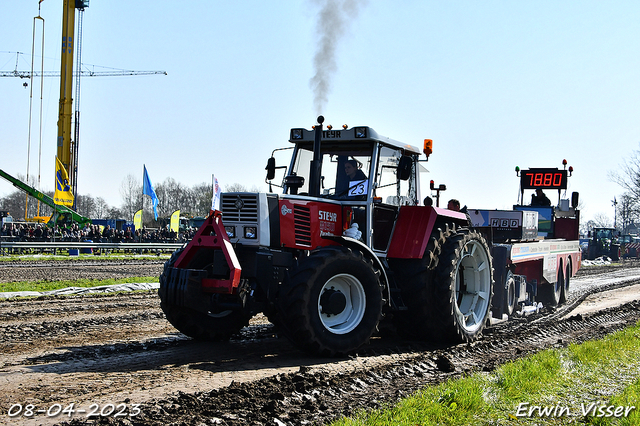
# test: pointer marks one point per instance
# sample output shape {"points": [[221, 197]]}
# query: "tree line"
{"points": [[192, 201], [196, 200]]}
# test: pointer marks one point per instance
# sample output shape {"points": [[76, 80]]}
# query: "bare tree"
{"points": [[131, 193], [601, 220], [171, 196], [203, 194], [627, 212], [86, 206], [14, 203], [237, 187], [101, 208], [628, 176], [115, 213]]}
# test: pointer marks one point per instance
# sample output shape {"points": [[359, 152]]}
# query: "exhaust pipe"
{"points": [[316, 163]]}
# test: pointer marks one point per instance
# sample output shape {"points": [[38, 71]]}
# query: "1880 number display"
{"points": [[543, 178]]}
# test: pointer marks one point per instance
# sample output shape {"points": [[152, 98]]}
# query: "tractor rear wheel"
{"points": [[331, 303], [463, 288], [414, 277], [210, 326]]}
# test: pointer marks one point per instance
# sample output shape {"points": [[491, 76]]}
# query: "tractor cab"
{"points": [[366, 175]]}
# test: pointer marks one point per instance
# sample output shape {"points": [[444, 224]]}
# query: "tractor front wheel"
{"points": [[214, 325], [200, 326], [331, 303]]}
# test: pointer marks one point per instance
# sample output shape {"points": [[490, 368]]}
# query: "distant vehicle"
{"points": [[602, 242], [191, 222], [6, 217], [629, 246]]}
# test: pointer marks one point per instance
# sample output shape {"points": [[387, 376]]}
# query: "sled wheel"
{"points": [[510, 294], [565, 287], [463, 287], [331, 303], [210, 326], [549, 294]]}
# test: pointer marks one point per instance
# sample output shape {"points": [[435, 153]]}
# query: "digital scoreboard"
{"points": [[543, 179]]}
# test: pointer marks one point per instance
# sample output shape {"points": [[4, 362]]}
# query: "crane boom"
{"points": [[61, 212]]}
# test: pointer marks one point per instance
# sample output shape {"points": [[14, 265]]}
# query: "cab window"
{"points": [[388, 186]]}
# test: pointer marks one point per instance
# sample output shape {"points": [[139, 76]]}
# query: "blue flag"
{"points": [[147, 189]]}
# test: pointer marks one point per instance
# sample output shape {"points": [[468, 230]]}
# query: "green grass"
{"points": [[63, 255], [46, 285], [555, 386]]}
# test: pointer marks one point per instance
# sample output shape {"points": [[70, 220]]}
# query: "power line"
{"points": [[115, 73]]}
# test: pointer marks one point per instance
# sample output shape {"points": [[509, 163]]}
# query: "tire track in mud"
{"points": [[118, 347], [316, 395], [78, 269]]}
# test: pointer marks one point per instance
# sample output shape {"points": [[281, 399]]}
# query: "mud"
{"points": [[118, 349]]}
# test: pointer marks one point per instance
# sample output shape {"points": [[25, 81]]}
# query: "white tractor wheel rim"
{"points": [[472, 297], [356, 303]]}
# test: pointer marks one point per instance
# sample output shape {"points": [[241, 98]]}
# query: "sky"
{"points": [[495, 84]]}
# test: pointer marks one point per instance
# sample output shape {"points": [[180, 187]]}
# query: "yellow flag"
{"points": [[63, 193], [137, 220], [175, 221]]}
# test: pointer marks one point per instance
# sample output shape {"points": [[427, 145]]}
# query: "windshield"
{"points": [[345, 170], [605, 234]]}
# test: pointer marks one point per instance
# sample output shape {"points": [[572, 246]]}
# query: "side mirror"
{"points": [[404, 167], [574, 199], [271, 168]]}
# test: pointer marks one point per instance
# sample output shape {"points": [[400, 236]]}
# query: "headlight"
{"points": [[250, 232], [296, 134], [231, 231], [361, 132]]}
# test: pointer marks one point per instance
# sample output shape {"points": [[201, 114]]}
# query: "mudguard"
{"points": [[413, 229]]}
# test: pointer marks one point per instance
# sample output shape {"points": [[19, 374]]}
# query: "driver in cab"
{"points": [[352, 170]]}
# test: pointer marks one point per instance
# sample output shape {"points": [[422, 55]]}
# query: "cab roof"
{"points": [[355, 134]]}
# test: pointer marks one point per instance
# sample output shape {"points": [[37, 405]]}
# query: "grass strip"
{"points": [[40, 257], [46, 285], [596, 382]]}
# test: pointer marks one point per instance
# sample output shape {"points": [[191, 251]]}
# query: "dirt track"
{"points": [[119, 349]]}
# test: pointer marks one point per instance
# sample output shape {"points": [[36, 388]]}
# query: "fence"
{"points": [[74, 248]]}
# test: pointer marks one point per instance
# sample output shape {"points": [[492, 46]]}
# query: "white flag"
{"points": [[215, 202]]}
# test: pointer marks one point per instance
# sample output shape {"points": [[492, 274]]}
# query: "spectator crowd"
{"points": [[37, 232]]}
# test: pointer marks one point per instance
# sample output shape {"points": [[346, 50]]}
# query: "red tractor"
{"points": [[345, 246]]}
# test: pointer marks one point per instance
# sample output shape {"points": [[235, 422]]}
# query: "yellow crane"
{"points": [[67, 148], [66, 151]]}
